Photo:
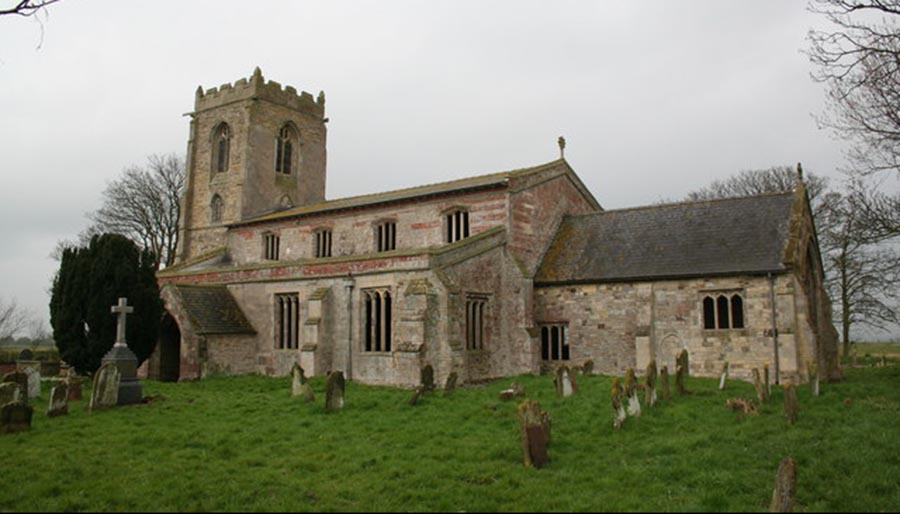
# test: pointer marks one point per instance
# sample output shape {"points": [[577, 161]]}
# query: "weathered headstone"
{"points": [[515, 390], [588, 367], [766, 381], [34, 382], [785, 486], [761, 395], [74, 388], [10, 392], [679, 378], [618, 404], [59, 401], [723, 377], [15, 417], [563, 382], [631, 387], [650, 384], [334, 391], [535, 425], [427, 376], [450, 384], [741, 405], [21, 379], [417, 395], [300, 385], [685, 361], [813, 370], [791, 404], [664, 379], [105, 392]]}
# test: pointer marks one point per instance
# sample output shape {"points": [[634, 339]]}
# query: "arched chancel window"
{"points": [[284, 150], [221, 148]]}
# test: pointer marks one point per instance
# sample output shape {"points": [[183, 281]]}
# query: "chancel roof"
{"points": [[732, 236], [213, 310]]}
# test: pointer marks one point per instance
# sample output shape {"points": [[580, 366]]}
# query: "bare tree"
{"points": [[143, 205], [12, 319], [777, 179], [26, 7]]}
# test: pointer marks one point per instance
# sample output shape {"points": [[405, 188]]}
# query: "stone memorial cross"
{"points": [[122, 309]]}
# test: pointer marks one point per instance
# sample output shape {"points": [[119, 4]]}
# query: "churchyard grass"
{"points": [[243, 443]]}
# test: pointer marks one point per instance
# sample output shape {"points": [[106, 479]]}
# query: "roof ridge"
{"points": [[684, 203]]}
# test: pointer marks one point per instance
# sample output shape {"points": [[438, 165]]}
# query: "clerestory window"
{"points": [[457, 223], [323, 243], [271, 246], [386, 236]]}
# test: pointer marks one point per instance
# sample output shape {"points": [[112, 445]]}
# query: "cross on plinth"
{"points": [[122, 309]]}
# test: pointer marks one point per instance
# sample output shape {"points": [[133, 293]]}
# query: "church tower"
{"points": [[254, 148]]}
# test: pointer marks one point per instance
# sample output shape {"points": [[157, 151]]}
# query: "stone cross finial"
{"points": [[122, 309], [562, 147]]}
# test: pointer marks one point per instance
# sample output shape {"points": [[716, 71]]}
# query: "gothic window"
{"points": [[457, 225], [271, 244], [475, 310], [215, 209], [221, 148], [287, 321], [323, 243], [377, 319], [284, 150], [723, 311], [553, 342], [386, 236]]}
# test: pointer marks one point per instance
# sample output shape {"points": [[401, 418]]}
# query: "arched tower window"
{"points": [[284, 150], [215, 209], [221, 148]]}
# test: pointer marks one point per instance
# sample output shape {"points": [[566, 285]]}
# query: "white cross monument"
{"points": [[122, 309]]}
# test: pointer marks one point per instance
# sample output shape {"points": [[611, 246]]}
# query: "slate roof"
{"points": [[709, 238], [213, 310]]}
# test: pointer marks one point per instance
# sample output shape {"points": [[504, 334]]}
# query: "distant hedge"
{"points": [[9, 355]]}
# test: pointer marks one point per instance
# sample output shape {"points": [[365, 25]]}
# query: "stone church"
{"points": [[488, 276]]}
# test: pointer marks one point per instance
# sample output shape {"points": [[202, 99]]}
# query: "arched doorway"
{"points": [[668, 349], [169, 349]]}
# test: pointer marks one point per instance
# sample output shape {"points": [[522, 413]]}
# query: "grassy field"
{"points": [[244, 444]]}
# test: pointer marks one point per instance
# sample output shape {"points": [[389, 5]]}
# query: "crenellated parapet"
{"points": [[257, 88]]}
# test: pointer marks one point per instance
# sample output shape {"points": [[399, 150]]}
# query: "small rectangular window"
{"points": [[386, 236], [475, 326], [271, 244], [323, 243], [287, 321], [457, 226], [554, 346]]}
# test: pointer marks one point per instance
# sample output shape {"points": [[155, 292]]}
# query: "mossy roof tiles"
{"points": [[214, 310]]}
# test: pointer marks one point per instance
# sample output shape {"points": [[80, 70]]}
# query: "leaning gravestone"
{"points": [[631, 387], [535, 425], [300, 385], [664, 378], [791, 404], [650, 385], [766, 382], [59, 401], [760, 388], [617, 404], [21, 379], [588, 367], [813, 378], [679, 379], [723, 377], [15, 417], [334, 391], [450, 385], [105, 393], [785, 486], [34, 382], [427, 377], [9, 392]]}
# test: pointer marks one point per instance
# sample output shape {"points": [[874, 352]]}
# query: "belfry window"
{"points": [[386, 236], [323, 243], [475, 311], [271, 244], [287, 321], [553, 342], [377, 318], [723, 311], [457, 225], [215, 209], [284, 150], [221, 148]]}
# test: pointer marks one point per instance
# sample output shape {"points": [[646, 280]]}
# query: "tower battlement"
{"points": [[257, 88]]}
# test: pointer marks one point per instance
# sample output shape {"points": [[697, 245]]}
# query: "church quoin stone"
{"points": [[487, 276]]}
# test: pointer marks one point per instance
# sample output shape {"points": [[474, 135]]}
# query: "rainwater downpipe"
{"points": [[774, 328], [349, 286]]}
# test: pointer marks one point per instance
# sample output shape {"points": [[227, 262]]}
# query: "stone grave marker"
{"points": [[791, 404], [535, 425], [664, 379], [679, 379], [767, 382], [334, 391], [450, 384], [59, 401], [417, 395], [631, 392], [21, 379], [761, 395], [130, 388], [565, 383], [813, 370], [785, 486], [741, 405], [618, 404], [588, 367], [25, 355], [15, 417], [685, 361], [300, 385], [73, 386], [427, 377], [514, 391], [105, 393], [34, 382], [650, 384], [10, 392], [723, 377]]}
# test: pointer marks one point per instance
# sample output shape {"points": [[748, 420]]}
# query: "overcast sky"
{"points": [[654, 98]]}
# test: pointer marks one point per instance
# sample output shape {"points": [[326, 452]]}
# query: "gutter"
{"points": [[774, 329], [349, 285]]}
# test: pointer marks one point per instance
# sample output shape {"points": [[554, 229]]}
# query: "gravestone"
{"points": [[25, 355], [427, 378], [631, 392], [130, 389], [791, 404], [617, 403], [34, 382], [535, 425], [10, 392], [785, 486], [105, 393], [766, 381], [684, 359], [588, 367], [515, 390], [679, 379], [813, 371], [417, 395], [73, 386], [300, 385], [15, 417], [450, 385], [723, 377], [565, 382], [761, 395], [741, 405], [650, 384], [664, 379], [334, 391], [59, 401], [20, 379]]}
